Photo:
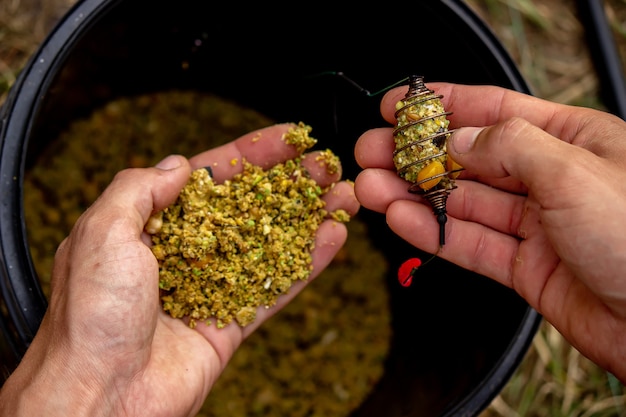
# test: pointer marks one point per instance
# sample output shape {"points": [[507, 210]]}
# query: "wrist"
{"points": [[49, 395], [45, 384]]}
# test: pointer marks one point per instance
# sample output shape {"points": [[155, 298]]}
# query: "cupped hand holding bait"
{"points": [[541, 207], [105, 347]]}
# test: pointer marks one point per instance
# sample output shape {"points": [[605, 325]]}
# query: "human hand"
{"points": [[540, 208], [105, 346]]}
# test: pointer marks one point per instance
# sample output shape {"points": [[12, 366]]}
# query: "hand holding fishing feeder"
{"points": [[420, 156]]}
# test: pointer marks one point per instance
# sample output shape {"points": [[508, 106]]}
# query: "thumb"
{"points": [[512, 148], [175, 174], [136, 193]]}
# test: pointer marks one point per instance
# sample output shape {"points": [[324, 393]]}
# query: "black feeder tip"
{"points": [[442, 219]]}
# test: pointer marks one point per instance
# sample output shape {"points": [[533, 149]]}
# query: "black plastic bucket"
{"points": [[457, 336]]}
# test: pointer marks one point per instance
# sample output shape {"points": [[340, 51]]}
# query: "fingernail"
{"points": [[462, 140], [169, 163]]}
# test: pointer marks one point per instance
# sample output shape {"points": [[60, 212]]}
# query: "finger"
{"points": [[342, 196], [135, 194], [376, 189], [324, 171], [264, 147], [374, 149], [488, 105], [470, 245]]}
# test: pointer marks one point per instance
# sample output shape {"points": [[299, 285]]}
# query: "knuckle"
{"points": [[515, 128]]}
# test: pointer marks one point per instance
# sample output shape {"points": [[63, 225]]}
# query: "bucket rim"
{"points": [[19, 289]]}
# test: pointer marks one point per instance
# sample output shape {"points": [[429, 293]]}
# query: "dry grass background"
{"points": [[23, 25], [546, 39]]}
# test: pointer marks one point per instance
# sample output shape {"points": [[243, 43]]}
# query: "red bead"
{"points": [[406, 271]]}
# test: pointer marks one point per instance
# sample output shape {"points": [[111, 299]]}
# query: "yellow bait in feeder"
{"points": [[454, 168], [429, 176]]}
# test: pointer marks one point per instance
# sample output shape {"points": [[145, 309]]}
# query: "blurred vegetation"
{"points": [[23, 26], [546, 40]]}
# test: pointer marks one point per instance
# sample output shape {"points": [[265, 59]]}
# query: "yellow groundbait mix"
{"points": [[226, 249]]}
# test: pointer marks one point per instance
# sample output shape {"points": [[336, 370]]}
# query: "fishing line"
{"points": [[353, 83]]}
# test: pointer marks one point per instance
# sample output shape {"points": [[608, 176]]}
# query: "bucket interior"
{"points": [[456, 336]]}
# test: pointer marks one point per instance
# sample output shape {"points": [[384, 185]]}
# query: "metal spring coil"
{"points": [[436, 195]]}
